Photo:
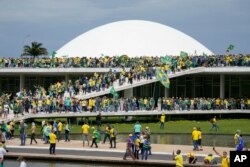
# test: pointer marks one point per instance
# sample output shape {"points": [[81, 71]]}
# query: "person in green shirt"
{"points": [[141, 104], [152, 103], [94, 137]]}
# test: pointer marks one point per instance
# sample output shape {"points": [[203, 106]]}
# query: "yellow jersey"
{"points": [[225, 162], [60, 126], [112, 132], [209, 158], [195, 135], [85, 128], [52, 138], [199, 134], [137, 142], [179, 160], [163, 118]]}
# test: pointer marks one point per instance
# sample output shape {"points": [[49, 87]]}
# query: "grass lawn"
{"points": [[226, 126]]}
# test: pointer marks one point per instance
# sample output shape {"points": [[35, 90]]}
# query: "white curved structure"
{"points": [[132, 38]]}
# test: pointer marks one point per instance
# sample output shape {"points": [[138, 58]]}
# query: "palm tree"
{"points": [[34, 50]]}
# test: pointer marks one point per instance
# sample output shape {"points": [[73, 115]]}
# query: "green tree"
{"points": [[34, 50]]}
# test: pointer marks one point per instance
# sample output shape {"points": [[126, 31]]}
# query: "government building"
{"points": [[136, 38]]}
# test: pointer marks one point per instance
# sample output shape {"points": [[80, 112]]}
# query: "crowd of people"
{"points": [[138, 145], [125, 61], [60, 96], [50, 104]]}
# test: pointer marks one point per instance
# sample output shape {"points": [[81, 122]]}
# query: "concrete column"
{"points": [[222, 86], [66, 78], [166, 92], [128, 93], [22, 80]]}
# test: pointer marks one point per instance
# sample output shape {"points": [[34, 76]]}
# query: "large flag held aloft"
{"points": [[113, 92], [163, 78], [166, 60], [183, 55], [230, 47]]}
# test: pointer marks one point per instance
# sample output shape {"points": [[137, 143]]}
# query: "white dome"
{"points": [[132, 38]]}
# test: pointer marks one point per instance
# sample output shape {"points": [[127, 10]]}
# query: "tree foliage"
{"points": [[34, 50]]}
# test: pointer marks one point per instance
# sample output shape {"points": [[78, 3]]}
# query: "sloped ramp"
{"points": [[126, 85]]}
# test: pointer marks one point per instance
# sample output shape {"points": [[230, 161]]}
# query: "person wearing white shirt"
{"points": [[2, 153], [22, 161]]}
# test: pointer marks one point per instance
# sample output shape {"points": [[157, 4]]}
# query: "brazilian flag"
{"points": [[230, 47], [166, 60], [113, 92], [183, 55], [163, 78]]}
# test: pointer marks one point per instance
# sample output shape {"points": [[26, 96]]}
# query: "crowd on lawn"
{"points": [[125, 61]]}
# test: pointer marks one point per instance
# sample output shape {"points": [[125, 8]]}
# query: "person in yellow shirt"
{"points": [[214, 124], [199, 138], [52, 140], [191, 158], [34, 106], [107, 133], [48, 103], [145, 102], [195, 137], [90, 106], [60, 127], [209, 160], [137, 146], [217, 103], [113, 133], [93, 105], [85, 133], [162, 121], [178, 158], [248, 103], [236, 137], [225, 162]]}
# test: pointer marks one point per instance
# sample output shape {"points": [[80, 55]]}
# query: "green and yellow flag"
{"points": [[230, 47], [163, 78], [113, 92], [166, 60], [183, 55]]}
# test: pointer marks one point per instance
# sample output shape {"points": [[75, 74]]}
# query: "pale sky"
{"points": [[214, 23]]}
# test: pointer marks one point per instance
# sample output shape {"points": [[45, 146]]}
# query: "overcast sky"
{"points": [[214, 23]]}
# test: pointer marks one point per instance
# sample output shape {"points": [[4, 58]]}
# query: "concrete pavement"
{"points": [[161, 153]]}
